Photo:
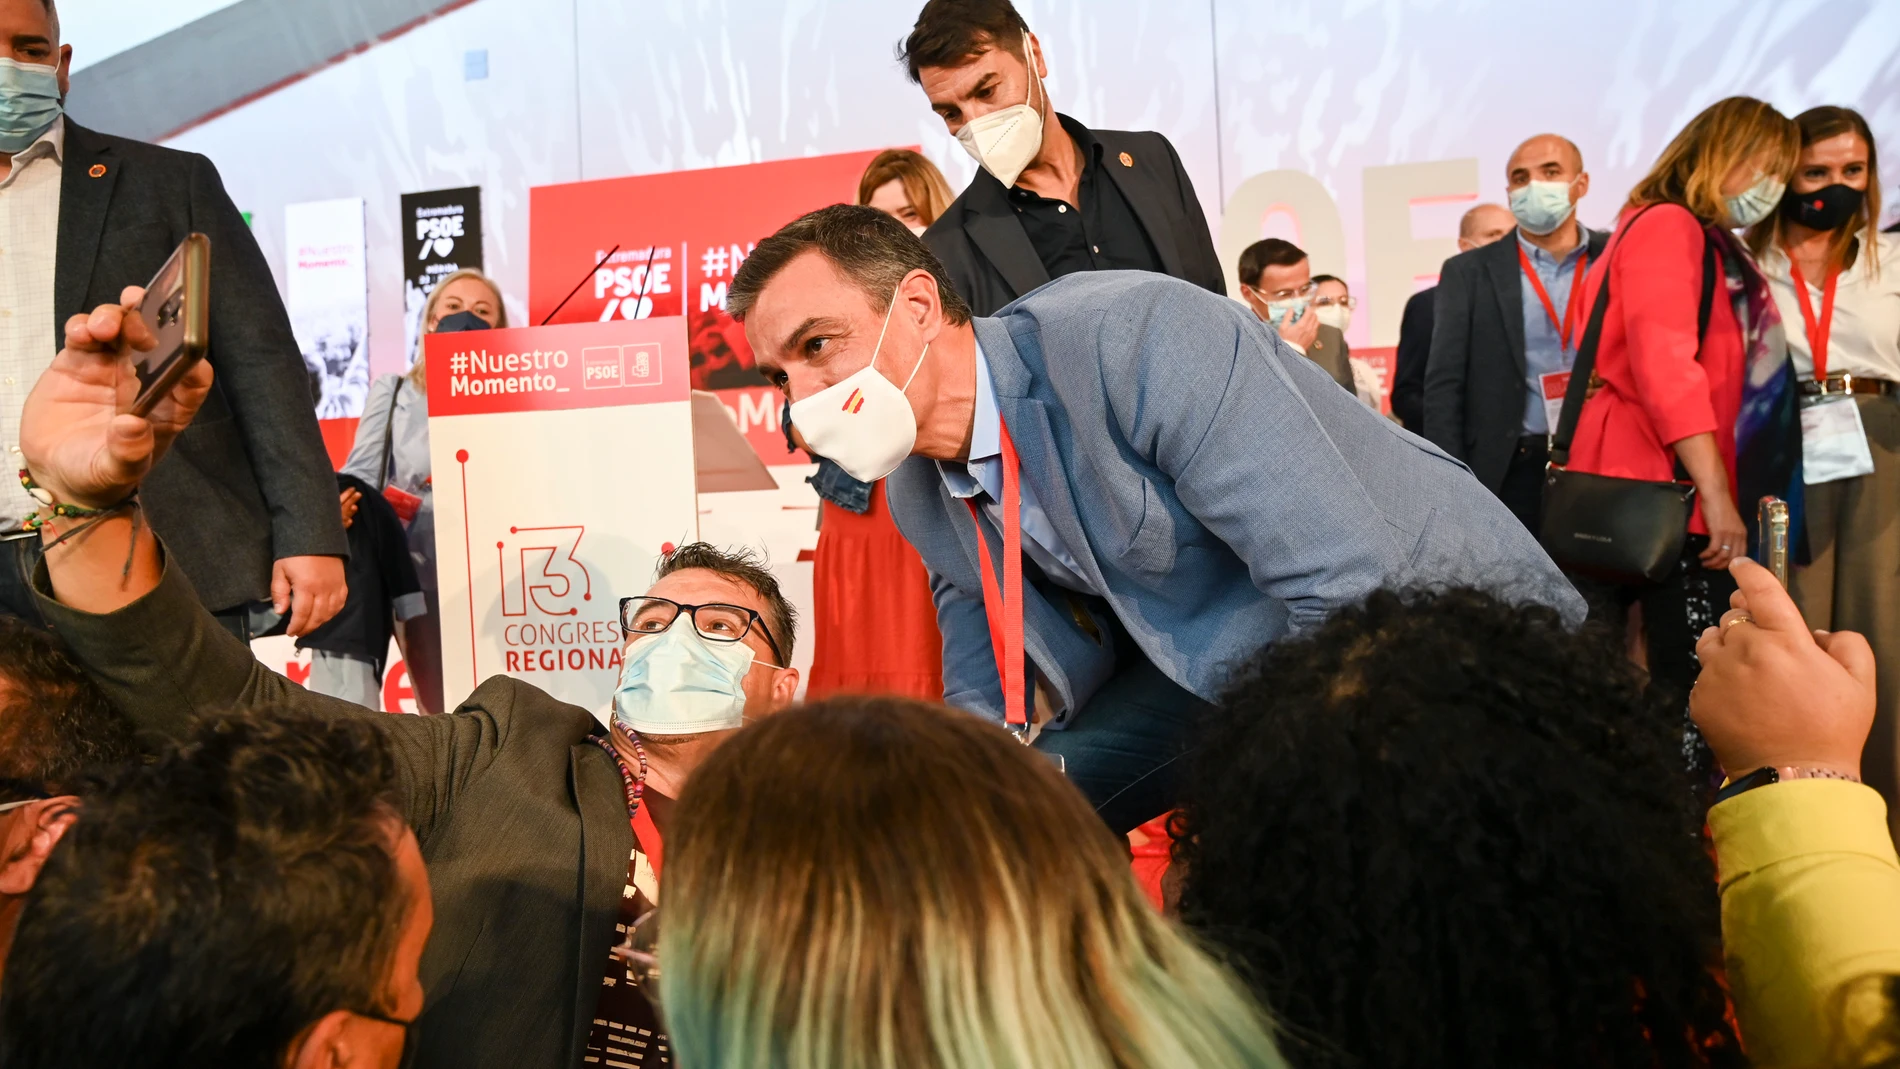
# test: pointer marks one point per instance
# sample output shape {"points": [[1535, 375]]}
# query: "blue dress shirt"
{"points": [[984, 475], [1544, 351]]}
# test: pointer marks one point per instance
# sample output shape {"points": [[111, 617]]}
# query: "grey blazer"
{"points": [[249, 481], [522, 821], [1214, 485], [1474, 377]]}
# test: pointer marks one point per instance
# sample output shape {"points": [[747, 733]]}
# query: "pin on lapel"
{"points": [[97, 170], [1127, 160]]}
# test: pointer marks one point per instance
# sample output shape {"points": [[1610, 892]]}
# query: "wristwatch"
{"points": [[1767, 774]]}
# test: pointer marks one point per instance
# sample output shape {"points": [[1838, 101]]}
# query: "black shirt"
{"points": [[1103, 235]]}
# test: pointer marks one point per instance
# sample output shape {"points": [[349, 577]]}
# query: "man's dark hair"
{"points": [[872, 249], [1272, 252], [54, 721], [1443, 830], [209, 906], [741, 565], [950, 33]]}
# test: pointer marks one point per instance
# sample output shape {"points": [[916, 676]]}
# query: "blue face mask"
{"points": [[29, 102], [677, 683], [1541, 207], [1755, 203]]}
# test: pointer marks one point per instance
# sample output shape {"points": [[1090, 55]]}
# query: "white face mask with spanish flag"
{"points": [[863, 423]]}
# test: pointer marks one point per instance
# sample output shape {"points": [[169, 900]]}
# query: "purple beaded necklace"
{"points": [[636, 786]]}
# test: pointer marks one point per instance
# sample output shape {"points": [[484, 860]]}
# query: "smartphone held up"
{"points": [[176, 307]]}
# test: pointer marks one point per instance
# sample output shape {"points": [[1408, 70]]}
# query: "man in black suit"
{"points": [[1506, 320], [248, 502], [1482, 225], [1053, 197]]}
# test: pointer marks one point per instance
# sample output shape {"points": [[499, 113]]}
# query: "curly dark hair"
{"points": [[54, 720], [211, 905], [1443, 830]]}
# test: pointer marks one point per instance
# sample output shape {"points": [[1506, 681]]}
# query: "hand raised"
{"points": [[77, 434], [1773, 693]]}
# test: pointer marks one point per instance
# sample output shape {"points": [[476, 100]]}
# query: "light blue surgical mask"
{"points": [[1542, 207], [678, 683], [29, 103], [1281, 313], [1754, 204]]}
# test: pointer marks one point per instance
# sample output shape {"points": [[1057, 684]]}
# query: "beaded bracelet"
{"points": [[62, 510]]}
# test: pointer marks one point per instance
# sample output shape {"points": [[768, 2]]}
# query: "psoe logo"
{"points": [[540, 569]]}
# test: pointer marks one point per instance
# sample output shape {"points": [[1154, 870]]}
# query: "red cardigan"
{"points": [[1655, 391]]}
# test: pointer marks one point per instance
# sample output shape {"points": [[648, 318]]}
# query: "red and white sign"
{"points": [[563, 461], [681, 238]]}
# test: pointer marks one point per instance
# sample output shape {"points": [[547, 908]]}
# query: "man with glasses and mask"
{"points": [[54, 724], [1276, 281], [1052, 196], [542, 832]]}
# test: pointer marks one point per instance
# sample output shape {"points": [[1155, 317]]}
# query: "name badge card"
{"points": [[1555, 384], [1833, 441]]}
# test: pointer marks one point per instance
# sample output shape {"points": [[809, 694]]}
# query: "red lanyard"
{"points": [[1818, 331], [1550, 309], [1005, 608]]}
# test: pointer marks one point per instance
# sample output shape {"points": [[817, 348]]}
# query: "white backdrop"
{"points": [[594, 88]]}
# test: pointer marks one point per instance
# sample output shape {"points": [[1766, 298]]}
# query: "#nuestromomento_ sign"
{"points": [[441, 234]]}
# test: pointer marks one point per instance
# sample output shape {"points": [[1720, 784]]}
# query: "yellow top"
{"points": [[1810, 904]]}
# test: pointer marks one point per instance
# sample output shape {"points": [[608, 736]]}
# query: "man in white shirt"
{"points": [[249, 506]]}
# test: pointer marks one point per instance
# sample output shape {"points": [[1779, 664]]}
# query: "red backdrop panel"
{"points": [[681, 234]]}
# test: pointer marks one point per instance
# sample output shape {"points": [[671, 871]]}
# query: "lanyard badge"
{"points": [[1004, 607]]}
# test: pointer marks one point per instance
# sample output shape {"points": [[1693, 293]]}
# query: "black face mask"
{"points": [[1824, 209]]}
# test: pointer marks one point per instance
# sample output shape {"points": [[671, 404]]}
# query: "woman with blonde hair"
{"points": [[1836, 280], [906, 186], [391, 452], [877, 882], [1694, 378]]}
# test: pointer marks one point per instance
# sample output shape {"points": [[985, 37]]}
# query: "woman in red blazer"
{"points": [[1722, 405]]}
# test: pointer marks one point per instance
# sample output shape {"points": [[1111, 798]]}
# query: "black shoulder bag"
{"points": [[1608, 528]]}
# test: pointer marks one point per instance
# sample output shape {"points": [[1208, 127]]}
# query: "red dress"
{"points": [[876, 626], [1655, 390]]}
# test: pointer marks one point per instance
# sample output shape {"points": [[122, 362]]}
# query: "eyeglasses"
{"points": [[1288, 295], [17, 787], [410, 1033], [643, 616], [1342, 302], [641, 951]]}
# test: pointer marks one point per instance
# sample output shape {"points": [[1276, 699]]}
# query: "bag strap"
{"points": [[389, 434], [1585, 363]]}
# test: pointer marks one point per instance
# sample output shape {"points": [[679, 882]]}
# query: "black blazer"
{"points": [[249, 480], [1415, 350], [991, 261], [1474, 379]]}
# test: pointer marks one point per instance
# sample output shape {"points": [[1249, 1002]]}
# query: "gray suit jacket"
{"points": [[1215, 485], [249, 481], [1474, 377], [522, 821]]}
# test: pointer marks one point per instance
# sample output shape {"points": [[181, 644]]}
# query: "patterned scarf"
{"points": [[1768, 426]]}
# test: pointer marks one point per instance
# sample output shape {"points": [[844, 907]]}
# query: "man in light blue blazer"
{"points": [[1191, 487]]}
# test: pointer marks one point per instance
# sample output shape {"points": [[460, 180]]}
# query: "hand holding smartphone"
{"points": [[177, 306]]}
